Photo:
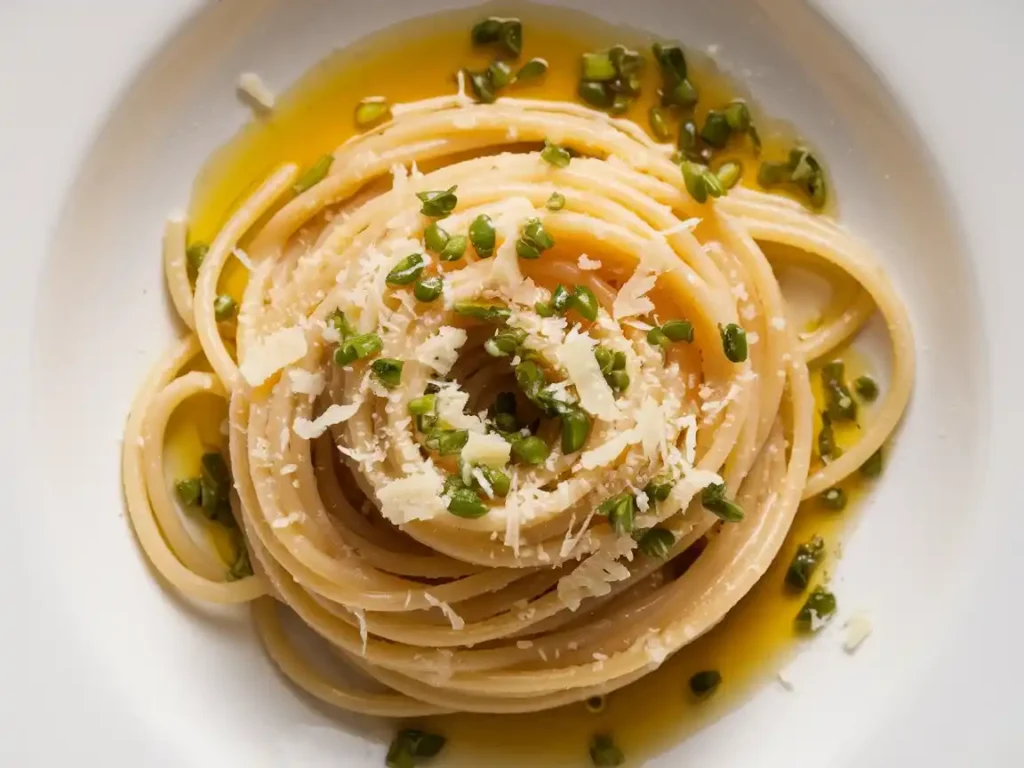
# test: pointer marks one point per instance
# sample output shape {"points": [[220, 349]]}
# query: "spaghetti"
{"points": [[497, 474]]}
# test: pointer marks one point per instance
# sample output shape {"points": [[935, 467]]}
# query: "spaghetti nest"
{"points": [[508, 425]]}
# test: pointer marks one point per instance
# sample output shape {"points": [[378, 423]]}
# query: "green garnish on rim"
{"points": [[313, 175], [411, 745]]}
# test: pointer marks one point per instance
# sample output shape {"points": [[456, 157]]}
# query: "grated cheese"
{"points": [[272, 353], [415, 497], [608, 451], [577, 357], [858, 627], [441, 351], [256, 90], [595, 575], [588, 264], [487, 449], [335, 414], [631, 299], [306, 382]]}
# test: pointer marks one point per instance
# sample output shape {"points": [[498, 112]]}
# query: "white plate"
{"points": [[110, 108]]}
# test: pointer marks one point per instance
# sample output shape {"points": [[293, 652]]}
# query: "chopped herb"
{"points": [[215, 494], [531, 450], [454, 249], [410, 745], [242, 566], [619, 363], [834, 498], [313, 175], [598, 66], [671, 60], [806, 560], [658, 489], [734, 342], [604, 753], [531, 70], [705, 683], [561, 299], [700, 181], [866, 388], [530, 378], [446, 442], [511, 36], [687, 141], [656, 337], [428, 289], [682, 94], [817, 610], [340, 323], [656, 542], [370, 110], [659, 128], [505, 343], [575, 428], [716, 130], [533, 240], [827, 448], [493, 313], [487, 31], [482, 236], [387, 371], [555, 155], [611, 79], [618, 381], [620, 511], [585, 302], [407, 271], [544, 309], [500, 74], [738, 116], [840, 403], [500, 482], [357, 347], [729, 174], [435, 238], [605, 359], [596, 94], [194, 256], [190, 491], [801, 171], [556, 202], [678, 330], [438, 203], [873, 466], [420, 406], [714, 501], [224, 308], [482, 87]]}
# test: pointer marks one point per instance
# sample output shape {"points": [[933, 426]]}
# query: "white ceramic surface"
{"points": [[109, 109]]}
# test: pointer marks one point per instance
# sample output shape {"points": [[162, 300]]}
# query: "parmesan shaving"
{"points": [[335, 414], [256, 91], [272, 353]]}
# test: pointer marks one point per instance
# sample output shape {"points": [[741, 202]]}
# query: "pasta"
{"points": [[347, 500]]}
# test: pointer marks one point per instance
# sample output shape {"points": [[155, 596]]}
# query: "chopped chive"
{"points": [[619, 363], [705, 683], [628, 63], [598, 67], [544, 309], [695, 180], [595, 704], [656, 337], [604, 753], [494, 313], [506, 422], [438, 204], [555, 155], [410, 745], [370, 110], [620, 104], [340, 323], [734, 342], [561, 299], [500, 74], [716, 130], [729, 174], [659, 128], [428, 289], [454, 249], [834, 498], [482, 236], [446, 442], [618, 381], [531, 450], [714, 501], [190, 491], [511, 36], [242, 566], [420, 406], [806, 560], [678, 330], [556, 202], [194, 256], [387, 371], [357, 347], [596, 94], [687, 141], [827, 448], [656, 542], [802, 171], [682, 94], [505, 343], [215, 493], [313, 175], [605, 358], [575, 428], [532, 69], [738, 117], [873, 466], [500, 482], [658, 489], [224, 308], [620, 510], [533, 240], [487, 31], [426, 423], [585, 302], [866, 388], [530, 378], [671, 60], [481, 85], [817, 610], [840, 403], [435, 238], [407, 271]]}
